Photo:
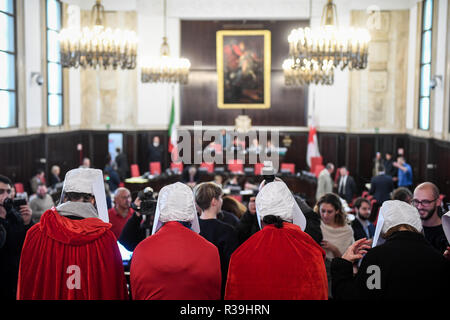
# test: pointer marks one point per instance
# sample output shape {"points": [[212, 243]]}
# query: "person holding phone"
{"points": [[15, 220]]}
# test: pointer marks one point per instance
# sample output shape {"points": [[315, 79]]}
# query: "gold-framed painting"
{"points": [[243, 69]]}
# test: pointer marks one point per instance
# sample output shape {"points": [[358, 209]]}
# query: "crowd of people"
{"points": [[197, 243]]}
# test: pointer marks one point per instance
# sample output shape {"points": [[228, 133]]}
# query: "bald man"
{"points": [[426, 200], [119, 215]]}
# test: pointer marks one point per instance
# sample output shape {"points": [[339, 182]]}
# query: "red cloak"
{"points": [[64, 259], [175, 264], [278, 264]]}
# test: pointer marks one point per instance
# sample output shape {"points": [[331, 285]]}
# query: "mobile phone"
{"points": [[18, 202]]}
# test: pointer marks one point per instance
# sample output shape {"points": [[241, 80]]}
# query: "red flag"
{"points": [[313, 146]]}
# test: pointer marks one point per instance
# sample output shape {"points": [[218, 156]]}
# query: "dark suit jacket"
{"points": [[381, 187], [358, 230], [349, 189], [155, 154]]}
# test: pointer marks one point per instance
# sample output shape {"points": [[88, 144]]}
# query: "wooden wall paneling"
{"points": [[442, 169], [328, 147], [352, 155], [366, 156], [296, 152], [418, 159], [341, 150]]}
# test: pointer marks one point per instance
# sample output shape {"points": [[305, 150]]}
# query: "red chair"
{"points": [[135, 171], [209, 166], [236, 166], [258, 168], [177, 167], [19, 187], [155, 168], [318, 169], [236, 197], [315, 161], [288, 167]]}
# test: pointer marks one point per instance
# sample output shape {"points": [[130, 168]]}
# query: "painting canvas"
{"points": [[243, 69]]}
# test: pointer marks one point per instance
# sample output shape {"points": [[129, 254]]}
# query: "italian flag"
{"points": [[313, 146], [173, 133]]}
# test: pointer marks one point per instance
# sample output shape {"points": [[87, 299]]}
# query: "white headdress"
{"points": [[276, 199], [446, 225], [394, 213], [176, 203], [90, 181]]}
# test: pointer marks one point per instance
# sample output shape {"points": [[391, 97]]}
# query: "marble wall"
{"points": [[108, 97], [377, 95]]}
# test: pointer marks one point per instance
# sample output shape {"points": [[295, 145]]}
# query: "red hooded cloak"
{"points": [[278, 264], [64, 259], [175, 264]]}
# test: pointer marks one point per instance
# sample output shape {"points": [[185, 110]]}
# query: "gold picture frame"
{"points": [[243, 69]]}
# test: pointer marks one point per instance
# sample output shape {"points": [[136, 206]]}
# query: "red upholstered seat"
{"points": [[318, 169], [258, 168], [209, 166], [177, 166], [19, 187], [315, 161], [236, 166], [288, 166], [155, 168], [135, 171], [236, 197]]}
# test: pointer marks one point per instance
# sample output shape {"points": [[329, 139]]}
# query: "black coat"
{"points": [[349, 189], [389, 168], [409, 268], [10, 252], [225, 238], [381, 187]]}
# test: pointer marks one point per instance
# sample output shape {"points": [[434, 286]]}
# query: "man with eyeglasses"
{"points": [[13, 227], [426, 200]]}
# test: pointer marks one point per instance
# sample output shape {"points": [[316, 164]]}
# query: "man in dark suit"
{"points": [[381, 186], [155, 151], [362, 228], [346, 186]]}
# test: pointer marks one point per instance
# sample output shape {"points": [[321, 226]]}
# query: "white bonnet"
{"points": [[90, 181], [394, 213], [276, 199], [175, 203]]}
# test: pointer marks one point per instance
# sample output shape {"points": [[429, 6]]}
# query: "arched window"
{"points": [[8, 83], [54, 68], [425, 64]]}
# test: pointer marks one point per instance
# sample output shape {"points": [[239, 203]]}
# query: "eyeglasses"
{"points": [[424, 203], [8, 191]]}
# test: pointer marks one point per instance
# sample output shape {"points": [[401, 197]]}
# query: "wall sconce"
{"points": [[36, 77]]}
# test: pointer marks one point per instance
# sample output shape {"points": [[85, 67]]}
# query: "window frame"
{"points": [[47, 63], [423, 31], [16, 82]]}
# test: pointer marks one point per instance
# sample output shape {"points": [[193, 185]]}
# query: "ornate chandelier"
{"points": [[165, 69], [96, 46], [341, 46], [309, 73]]}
